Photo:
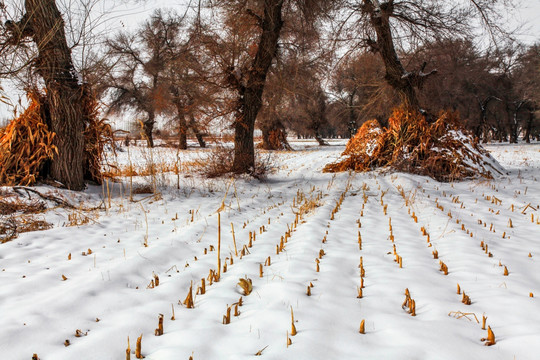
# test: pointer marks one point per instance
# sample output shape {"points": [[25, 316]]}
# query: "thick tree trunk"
{"points": [[250, 94], [404, 82], [64, 93]]}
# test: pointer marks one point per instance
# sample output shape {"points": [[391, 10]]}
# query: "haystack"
{"points": [[443, 150]]}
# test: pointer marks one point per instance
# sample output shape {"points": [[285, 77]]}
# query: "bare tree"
{"points": [[43, 23], [140, 61], [382, 23]]}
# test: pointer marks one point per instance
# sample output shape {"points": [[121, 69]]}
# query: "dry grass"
{"points": [[442, 150]]}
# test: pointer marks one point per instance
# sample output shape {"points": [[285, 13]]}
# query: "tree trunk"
{"points": [[182, 126], [274, 136], [64, 93], [196, 131], [351, 126], [402, 81], [528, 127], [250, 95], [148, 128]]}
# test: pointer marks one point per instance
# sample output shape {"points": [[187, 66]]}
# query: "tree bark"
{"points": [[198, 134], [182, 126], [402, 81], [64, 93], [274, 136], [250, 94], [148, 129]]}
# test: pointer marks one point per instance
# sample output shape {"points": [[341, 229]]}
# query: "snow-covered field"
{"points": [[101, 294]]}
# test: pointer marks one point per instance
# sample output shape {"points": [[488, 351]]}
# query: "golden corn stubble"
{"points": [[412, 307], [202, 289], [128, 352], [484, 318], [234, 241], [466, 299], [510, 223], [172, 317], [309, 290], [293, 328], [458, 289], [188, 302], [360, 293], [490, 340], [64, 278], [246, 285], [227, 318], [289, 341], [268, 261], [236, 312], [505, 273], [67, 343], [159, 330], [138, 354], [69, 256], [260, 270], [435, 254], [407, 298], [219, 247], [363, 327]]}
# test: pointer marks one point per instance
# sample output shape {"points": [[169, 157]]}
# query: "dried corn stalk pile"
{"points": [[26, 145], [442, 150]]}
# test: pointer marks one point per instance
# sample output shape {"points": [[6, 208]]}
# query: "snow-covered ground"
{"points": [[102, 288]]}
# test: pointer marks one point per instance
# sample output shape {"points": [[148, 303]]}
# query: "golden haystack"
{"points": [[442, 150]]}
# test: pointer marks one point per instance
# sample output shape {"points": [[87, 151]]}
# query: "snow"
{"points": [[39, 310]]}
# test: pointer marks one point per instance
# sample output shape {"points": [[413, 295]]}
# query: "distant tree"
{"points": [[138, 75], [360, 90]]}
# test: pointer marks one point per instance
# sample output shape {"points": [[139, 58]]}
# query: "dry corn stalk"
{"points": [[246, 285], [188, 302], [227, 317], [138, 354], [293, 328], [159, 330], [363, 326], [128, 352], [490, 340]]}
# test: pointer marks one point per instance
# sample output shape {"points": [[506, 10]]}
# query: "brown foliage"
{"points": [[442, 150]]}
